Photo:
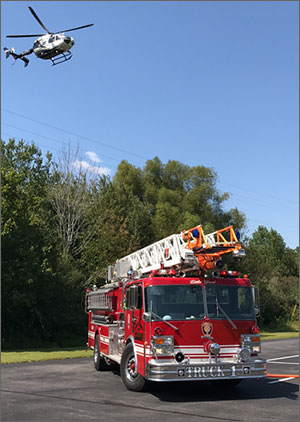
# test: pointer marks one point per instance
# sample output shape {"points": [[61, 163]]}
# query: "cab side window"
{"points": [[127, 299], [134, 297], [140, 297]]}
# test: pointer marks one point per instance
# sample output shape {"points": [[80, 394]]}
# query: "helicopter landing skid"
{"points": [[61, 58]]}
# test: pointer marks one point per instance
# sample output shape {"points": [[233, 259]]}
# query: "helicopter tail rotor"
{"points": [[15, 56]]}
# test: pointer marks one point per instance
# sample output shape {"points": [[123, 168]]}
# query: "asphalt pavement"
{"points": [[71, 390]]}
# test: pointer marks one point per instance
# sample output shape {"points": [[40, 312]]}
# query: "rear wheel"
{"points": [[131, 378], [100, 363]]}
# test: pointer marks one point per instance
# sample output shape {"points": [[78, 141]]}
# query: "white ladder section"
{"points": [[170, 252], [178, 250]]}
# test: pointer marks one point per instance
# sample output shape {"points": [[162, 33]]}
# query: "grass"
{"points": [[290, 331], [22, 356], [269, 335]]}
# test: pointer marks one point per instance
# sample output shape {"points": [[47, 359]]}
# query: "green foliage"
{"points": [[123, 225], [130, 178], [268, 255], [61, 229], [34, 291], [178, 196], [274, 268], [28, 256]]}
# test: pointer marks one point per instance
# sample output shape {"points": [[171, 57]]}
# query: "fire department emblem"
{"points": [[207, 328]]}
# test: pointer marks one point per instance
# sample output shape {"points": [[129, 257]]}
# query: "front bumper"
{"points": [[215, 371]]}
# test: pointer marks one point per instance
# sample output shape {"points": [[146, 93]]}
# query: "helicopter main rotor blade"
{"points": [[24, 36], [75, 29], [38, 19]]}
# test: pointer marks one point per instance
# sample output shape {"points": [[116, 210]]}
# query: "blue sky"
{"points": [[204, 83]]}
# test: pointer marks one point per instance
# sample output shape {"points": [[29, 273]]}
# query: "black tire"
{"points": [[226, 383], [132, 380], [100, 362]]}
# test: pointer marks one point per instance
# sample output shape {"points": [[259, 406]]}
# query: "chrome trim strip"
{"points": [[225, 370], [205, 379], [215, 371]]}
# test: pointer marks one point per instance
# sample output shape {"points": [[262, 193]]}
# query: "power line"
{"points": [[261, 203], [74, 134], [255, 192], [52, 149], [52, 139], [114, 159]]}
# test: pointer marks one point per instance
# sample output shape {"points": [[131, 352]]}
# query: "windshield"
{"points": [[235, 301], [175, 302]]}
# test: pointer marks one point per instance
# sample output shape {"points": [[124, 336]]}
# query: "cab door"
{"points": [[134, 323]]}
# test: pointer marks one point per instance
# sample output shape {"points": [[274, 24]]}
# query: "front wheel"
{"points": [[100, 362], [131, 378]]}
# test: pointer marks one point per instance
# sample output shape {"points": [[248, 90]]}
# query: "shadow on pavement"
{"points": [[205, 391], [208, 391]]}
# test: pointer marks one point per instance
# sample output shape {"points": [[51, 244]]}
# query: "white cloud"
{"points": [[93, 156], [84, 165]]}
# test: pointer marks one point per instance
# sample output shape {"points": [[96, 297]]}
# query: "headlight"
{"points": [[163, 345], [169, 341], [244, 353], [251, 341]]}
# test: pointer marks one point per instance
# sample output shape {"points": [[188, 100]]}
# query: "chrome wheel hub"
{"points": [[131, 369]]}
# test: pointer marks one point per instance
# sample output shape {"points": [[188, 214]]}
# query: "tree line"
{"points": [[61, 229]]}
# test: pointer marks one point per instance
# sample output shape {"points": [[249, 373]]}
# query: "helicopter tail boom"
{"points": [[15, 56]]}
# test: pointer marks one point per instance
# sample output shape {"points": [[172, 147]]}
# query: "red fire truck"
{"points": [[161, 318]]}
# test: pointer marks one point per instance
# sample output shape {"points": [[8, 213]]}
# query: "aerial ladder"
{"points": [[190, 249]]}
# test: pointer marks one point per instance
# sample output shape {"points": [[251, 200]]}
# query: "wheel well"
{"points": [[128, 341], [97, 333]]}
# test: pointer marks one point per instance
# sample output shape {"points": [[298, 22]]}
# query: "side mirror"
{"points": [[256, 300], [147, 316]]}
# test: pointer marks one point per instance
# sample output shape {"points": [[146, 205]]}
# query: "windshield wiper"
{"points": [[166, 322], [224, 313]]}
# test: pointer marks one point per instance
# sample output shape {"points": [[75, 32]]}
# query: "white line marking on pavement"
{"points": [[284, 357], [282, 379], [285, 363]]}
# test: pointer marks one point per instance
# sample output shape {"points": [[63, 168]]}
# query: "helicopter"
{"points": [[54, 46]]}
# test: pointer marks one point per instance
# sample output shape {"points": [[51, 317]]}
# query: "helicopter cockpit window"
{"points": [[36, 44], [51, 39]]}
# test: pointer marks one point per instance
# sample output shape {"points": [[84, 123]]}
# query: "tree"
{"points": [[38, 306], [178, 196], [69, 197], [123, 226], [274, 269], [29, 258], [131, 178], [152, 175], [265, 253]]}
